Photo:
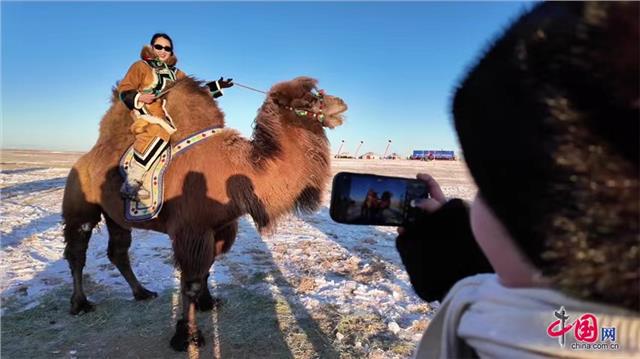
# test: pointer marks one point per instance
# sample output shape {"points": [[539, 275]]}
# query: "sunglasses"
{"points": [[160, 47]]}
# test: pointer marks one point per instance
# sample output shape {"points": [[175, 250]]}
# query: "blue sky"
{"points": [[395, 64]]}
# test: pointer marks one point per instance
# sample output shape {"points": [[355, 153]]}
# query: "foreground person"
{"points": [[548, 121]]}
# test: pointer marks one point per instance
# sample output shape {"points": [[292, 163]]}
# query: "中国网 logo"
{"points": [[585, 331]]}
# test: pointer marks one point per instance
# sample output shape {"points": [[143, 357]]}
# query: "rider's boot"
{"points": [[133, 188]]}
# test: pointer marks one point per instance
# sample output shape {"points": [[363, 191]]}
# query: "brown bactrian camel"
{"points": [[283, 168]]}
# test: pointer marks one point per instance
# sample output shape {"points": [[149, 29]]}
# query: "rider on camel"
{"points": [[152, 127]]}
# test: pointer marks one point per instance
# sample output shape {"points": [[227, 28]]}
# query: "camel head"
{"points": [[302, 97]]}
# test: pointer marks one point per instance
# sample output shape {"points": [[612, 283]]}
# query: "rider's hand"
{"points": [[147, 98], [436, 200], [225, 83]]}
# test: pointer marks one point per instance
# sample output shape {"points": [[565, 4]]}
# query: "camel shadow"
{"points": [[33, 227], [21, 170], [375, 248], [23, 211], [356, 237], [33, 187]]}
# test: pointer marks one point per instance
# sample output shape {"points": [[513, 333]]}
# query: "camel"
{"points": [[283, 168]]}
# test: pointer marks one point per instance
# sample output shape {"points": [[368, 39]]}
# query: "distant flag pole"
{"points": [[339, 149], [358, 149], [386, 149]]}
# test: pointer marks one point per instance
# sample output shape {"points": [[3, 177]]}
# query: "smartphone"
{"points": [[358, 198]]}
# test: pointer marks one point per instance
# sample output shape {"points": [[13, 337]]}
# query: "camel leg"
{"points": [[224, 238], [205, 301], [118, 252], [80, 217], [194, 252], [187, 331], [77, 241]]}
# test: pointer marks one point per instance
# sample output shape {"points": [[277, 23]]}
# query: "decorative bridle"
{"points": [[310, 114], [299, 112]]}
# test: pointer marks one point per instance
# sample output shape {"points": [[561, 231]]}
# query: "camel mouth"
{"points": [[340, 112], [335, 107], [337, 115], [335, 120]]}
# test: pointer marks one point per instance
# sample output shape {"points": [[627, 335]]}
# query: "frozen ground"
{"points": [[315, 288]]}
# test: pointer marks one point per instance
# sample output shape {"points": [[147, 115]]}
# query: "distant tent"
{"points": [[369, 156], [344, 155]]}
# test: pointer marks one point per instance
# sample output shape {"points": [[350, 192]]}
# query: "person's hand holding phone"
{"points": [[434, 202], [439, 248]]}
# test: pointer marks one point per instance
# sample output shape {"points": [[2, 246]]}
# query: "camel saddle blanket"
{"points": [[146, 209]]}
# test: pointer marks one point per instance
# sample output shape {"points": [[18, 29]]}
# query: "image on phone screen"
{"points": [[376, 200]]}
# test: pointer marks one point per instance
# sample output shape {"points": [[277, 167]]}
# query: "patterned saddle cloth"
{"points": [[144, 210]]}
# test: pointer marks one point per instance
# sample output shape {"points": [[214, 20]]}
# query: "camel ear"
{"points": [[307, 83]]}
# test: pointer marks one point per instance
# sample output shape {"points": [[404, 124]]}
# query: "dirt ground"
{"points": [[249, 324]]}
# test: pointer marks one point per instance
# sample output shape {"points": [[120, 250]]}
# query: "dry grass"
{"points": [[307, 285], [249, 325]]}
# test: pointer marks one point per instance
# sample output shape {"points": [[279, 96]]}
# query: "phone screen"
{"points": [[376, 200]]}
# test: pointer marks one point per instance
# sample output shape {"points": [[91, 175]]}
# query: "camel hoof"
{"points": [[205, 304], [144, 294], [198, 339], [181, 339], [81, 305]]}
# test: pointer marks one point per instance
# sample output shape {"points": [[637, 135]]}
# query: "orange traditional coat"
{"points": [[152, 126], [149, 75]]}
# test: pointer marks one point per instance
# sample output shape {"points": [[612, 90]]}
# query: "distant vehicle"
{"points": [[430, 155]]}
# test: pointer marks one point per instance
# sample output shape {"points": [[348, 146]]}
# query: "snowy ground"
{"points": [[311, 265]]}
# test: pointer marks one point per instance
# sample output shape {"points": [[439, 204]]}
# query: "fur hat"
{"points": [[548, 120]]}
